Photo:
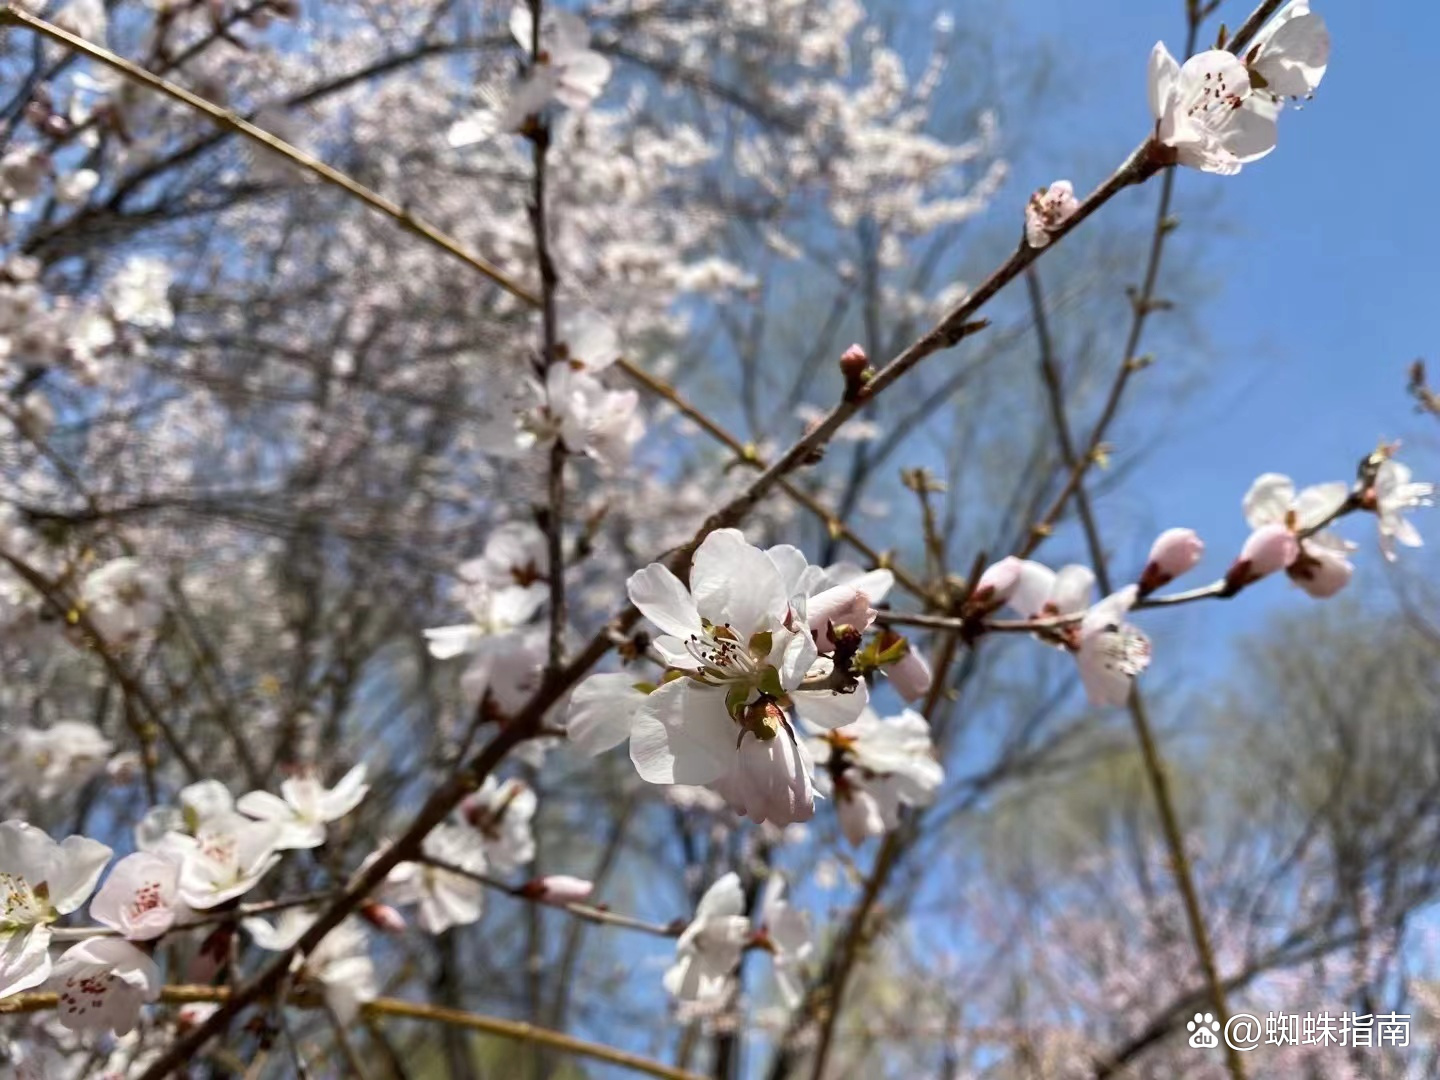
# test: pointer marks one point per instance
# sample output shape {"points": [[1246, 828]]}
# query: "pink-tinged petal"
{"points": [[562, 889], [910, 675], [24, 959], [1319, 502], [840, 606], [1032, 592], [683, 735], [1321, 569], [735, 583], [522, 25], [1000, 581], [601, 710], [859, 813], [1109, 660], [1269, 500], [1268, 549], [663, 599], [831, 709], [1073, 586], [1295, 52], [770, 780], [1164, 74], [76, 871]]}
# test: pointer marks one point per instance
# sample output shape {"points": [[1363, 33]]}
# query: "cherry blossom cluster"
{"points": [[1290, 534], [755, 685]]}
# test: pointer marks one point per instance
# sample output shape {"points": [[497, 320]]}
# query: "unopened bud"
{"points": [[1175, 552], [910, 675], [854, 364], [1268, 549], [998, 583], [382, 917], [558, 889]]}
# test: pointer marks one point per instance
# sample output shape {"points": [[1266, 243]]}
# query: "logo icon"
{"points": [[1202, 1031]]}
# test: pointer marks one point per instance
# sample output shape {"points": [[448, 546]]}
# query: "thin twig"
{"points": [[231, 121]]}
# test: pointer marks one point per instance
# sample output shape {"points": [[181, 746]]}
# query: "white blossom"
{"points": [[141, 898], [102, 983], [305, 806], [708, 951], [58, 759], [444, 897], [140, 293], [1395, 493], [1111, 651], [123, 600], [1290, 53], [567, 71], [1321, 566], [340, 963], [786, 934], [226, 858], [1205, 112], [40, 881], [1047, 210], [501, 812]]}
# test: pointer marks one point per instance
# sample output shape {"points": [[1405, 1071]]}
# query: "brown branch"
{"points": [[231, 121]]}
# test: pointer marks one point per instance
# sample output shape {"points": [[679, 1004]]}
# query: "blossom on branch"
{"points": [[102, 983], [875, 767], [1175, 552], [1290, 53], [40, 881], [1047, 210], [226, 858], [742, 649], [444, 897], [140, 900], [305, 806], [1205, 113], [566, 70], [708, 951], [1394, 493], [501, 812], [340, 963], [1316, 560]]}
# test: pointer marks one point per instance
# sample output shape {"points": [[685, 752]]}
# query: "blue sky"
{"points": [[1321, 258]]}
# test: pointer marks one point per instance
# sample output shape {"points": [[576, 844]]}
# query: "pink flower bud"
{"points": [[382, 917], [559, 889], [1175, 552], [998, 582], [1268, 549], [840, 606], [854, 362], [910, 676]]}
